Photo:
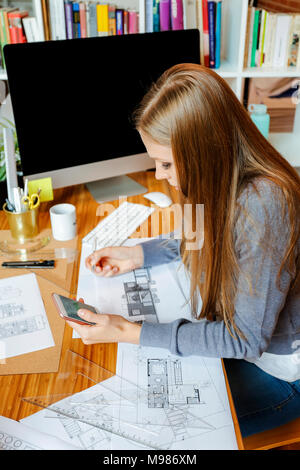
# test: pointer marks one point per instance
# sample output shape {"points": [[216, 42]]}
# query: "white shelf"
{"points": [[270, 72]]}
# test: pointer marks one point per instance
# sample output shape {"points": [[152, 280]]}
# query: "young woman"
{"points": [[247, 271]]}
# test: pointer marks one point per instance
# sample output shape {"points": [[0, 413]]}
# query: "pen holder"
{"points": [[23, 225]]}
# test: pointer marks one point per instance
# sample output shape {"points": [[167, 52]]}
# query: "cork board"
{"points": [[49, 280]]}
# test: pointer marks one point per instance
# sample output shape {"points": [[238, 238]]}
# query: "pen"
{"points": [[29, 264]]}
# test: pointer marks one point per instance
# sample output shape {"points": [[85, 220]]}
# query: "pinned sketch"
{"points": [[24, 325]]}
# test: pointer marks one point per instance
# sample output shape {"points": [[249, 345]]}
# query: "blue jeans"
{"points": [[261, 401]]}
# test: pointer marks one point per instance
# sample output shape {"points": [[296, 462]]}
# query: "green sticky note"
{"points": [[45, 187]]}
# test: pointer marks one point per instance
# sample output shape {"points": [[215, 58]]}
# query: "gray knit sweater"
{"points": [[268, 318]]}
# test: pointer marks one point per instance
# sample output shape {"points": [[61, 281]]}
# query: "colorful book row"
{"points": [[272, 39]]}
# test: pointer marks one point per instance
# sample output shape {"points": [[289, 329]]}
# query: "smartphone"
{"points": [[68, 308]]}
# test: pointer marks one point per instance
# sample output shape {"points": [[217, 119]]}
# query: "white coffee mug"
{"points": [[63, 222]]}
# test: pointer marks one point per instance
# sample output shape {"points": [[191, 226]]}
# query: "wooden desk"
{"points": [[13, 387]]}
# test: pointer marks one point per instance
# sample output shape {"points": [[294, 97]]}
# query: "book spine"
{"points": [[3, 33], [254, 38], [69, 19], [294, 42], [37, 5], [199, 22], [176, 14], [257, 53], [52, 19], [189, 14], [60, 18], [111, 20], [17, 34], [82, 17], [93, 20], [211, 28], [27, 28], [205, 32], [249, 50], [125, 20], [142, 18], [149, 16], [76, 20], [280, 47], [218, 34], [34, 29], [132, 20], [164, 15], [119, 21], [156, 20], [102, 19], [46, 21], [262, 42]]}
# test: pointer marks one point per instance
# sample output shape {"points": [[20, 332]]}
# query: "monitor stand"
{"points": [[110, 189]]}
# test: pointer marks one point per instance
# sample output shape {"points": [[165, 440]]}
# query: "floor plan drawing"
{"points": [[182, 395], [11, 310], [27, 325], [140, 296], [24, 325]]}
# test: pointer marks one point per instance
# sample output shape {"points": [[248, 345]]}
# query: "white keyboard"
{"points": [[118, 226]]}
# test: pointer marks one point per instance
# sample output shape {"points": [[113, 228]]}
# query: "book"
{"points": [[132, 22], [248, 46], [111, 20], [76, 20], [31, 29], [37, 7], [199, 16], [190, 14], [164, 15], [119, 21], [82, 18], [254, 36], [269, 40], [46, 20], [218, 34], [149, 16], [211, 29], [60, 20], [4, 30], [281, 39], [262, 37], [16, 28], [156, 20], [176, 14], [102, 19], [93, 20], [205, 32], [125, 21], [142, 20], [69, 19], [294, 42]]}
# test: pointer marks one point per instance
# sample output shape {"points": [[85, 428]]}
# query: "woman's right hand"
{"points": [[114, 260]]}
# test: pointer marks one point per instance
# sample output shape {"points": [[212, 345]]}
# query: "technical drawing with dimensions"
{"points": [[24, 325]]}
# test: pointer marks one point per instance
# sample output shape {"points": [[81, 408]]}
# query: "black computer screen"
{"points": [[73, 99]]}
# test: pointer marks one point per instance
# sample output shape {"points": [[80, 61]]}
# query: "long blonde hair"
{"points": [[218, 152]]}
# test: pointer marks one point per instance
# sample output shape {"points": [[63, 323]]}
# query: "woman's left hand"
{"points": [[107, 328]]}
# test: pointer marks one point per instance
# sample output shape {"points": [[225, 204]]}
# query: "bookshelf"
{"points": [[233, 33]]}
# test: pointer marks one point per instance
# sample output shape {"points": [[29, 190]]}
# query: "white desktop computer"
{"points": [[73, 102]]}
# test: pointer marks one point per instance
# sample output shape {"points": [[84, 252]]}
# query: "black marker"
{"points": [[29, 264]]}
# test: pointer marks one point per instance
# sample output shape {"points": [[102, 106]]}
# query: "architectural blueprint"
{"points": [[24, 325], [17, 436], [186, 394]]}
